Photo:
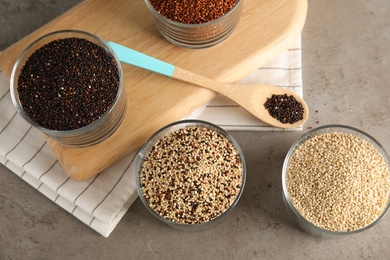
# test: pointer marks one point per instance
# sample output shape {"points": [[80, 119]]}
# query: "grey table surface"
{"points": [[346, 75]]}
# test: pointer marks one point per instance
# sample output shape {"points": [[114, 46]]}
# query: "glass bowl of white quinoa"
{"points": [[336, 181], [190, 174]]}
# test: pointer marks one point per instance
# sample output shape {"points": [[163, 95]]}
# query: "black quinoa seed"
{"points": [[68, 84], [286, 109]]}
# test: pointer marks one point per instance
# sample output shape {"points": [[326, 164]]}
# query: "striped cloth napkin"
{"points": [[102, 201]]}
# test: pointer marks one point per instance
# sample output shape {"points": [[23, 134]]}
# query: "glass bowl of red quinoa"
{"points": [[190, 174], [336, 181], [195, 24], [69, 85]]}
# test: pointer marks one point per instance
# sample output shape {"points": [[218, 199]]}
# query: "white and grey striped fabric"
{"points": [[102, 201]]}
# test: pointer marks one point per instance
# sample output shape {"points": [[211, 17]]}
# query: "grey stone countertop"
{"points": [[346, 75]]}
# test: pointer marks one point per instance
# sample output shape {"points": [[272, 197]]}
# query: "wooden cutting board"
{"points": [[266, 28]]}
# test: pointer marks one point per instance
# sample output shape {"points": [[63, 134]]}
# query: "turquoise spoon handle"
{"points": [[141, 60]]}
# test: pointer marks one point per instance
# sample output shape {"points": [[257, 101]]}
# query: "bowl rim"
{"points": [[17, 65], [312, 133], [188, 122]]}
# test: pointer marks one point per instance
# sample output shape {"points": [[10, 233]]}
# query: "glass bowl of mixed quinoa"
{"points": [[190, 174], [69, 85], [336, 181], [195, 24]]}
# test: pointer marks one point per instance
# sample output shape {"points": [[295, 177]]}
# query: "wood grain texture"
{"points": [[266, 28]]}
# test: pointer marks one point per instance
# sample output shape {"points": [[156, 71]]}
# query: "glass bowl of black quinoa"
{"points": [[195, 24], [69, 85], [336, 181], [190, 174]]}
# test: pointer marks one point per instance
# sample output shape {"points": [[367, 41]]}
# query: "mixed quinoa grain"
{"points": [[191, 176], [68, 83], [338, 182]]}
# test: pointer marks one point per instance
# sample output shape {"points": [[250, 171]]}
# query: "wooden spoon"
{"points": [[250, 97]]}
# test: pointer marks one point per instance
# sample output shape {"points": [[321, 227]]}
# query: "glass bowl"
{"points": [[86, 135], [197, 36], [184, 189], [329, 177]]}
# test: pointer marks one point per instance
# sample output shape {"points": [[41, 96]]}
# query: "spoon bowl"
{"points": [[250, 97]]}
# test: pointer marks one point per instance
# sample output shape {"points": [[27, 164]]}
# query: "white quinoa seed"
{"points": [[338, 182], [191, 176]]}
